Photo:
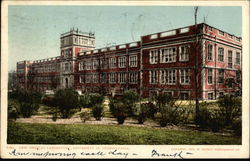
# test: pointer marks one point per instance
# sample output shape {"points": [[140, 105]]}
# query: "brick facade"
{"points": [[161, 62]]}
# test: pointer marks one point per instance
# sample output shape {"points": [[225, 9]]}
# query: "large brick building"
{"points": [[178, 62]]}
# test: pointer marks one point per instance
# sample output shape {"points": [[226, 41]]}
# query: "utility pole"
{"points": [[196, 67]]}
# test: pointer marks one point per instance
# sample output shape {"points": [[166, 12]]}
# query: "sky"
{"points": [[34, 31]]}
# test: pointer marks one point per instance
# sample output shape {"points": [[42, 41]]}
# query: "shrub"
{"points": [[29, 101], [88, 100], [129, 99], [151, 110], [120, 112], [85, 100], [49, 101], [237, 126], [229, 108], [85, 115], [209, 118], [97, 111], [67, 102], [28, 109], [112, 102], [13, 109], [54, 113], [170, 112], [143, 111], [146, 110]]}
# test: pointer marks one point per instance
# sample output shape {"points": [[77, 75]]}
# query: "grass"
{"points": [[31, 133]]}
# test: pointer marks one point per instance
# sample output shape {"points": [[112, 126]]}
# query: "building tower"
{"points": [[72, 43]]}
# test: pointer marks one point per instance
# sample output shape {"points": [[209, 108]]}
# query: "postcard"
{"points": [[125, 79]]}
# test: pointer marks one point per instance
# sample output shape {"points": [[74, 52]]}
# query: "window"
{"points": [[237, 58], [221, 94], [210, 76], [112, 77], [95, 78], [133, 77], [221, 54], [95, 64], [66, 66], [210, 52], [122, 62], [122, 77], [153, 54], [184, 53], [153, 36], [88, 65], [168, 76], [112, 62], [168, 33], [104, 63], [183, 30], [210, 96], [238, 76], [230, 82], [153, 77], [168, 55], [133, 61], [170, 93], [230, 59], [184, 95], [88, 78], [221, 76], [81, 78], [103, 78], [81, 65], [184, 76]]}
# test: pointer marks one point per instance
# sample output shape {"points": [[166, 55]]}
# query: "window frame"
{"points": [[208, 75], [185, 76], [186, 53], [153, 56], [219, 54], [209, 53]]}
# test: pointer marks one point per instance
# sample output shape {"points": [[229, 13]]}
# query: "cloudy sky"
{"points": [[34, 31]]}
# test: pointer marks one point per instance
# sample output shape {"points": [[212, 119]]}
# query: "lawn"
{"points": [[31, 133]]}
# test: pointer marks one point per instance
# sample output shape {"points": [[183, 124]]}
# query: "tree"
{"points": [[13, 109], [67, 102], [29, 101]]}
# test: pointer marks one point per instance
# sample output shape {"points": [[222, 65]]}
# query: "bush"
{"points": [[97, 111], [67, 102], [88, 100], [237, 126], [143, 112], [120, 112], [54, 113], [112, 102], [151, 110], [28, 109], [229, 109], [210, 118], [85, 115], [29, 101], [146, 110], [170, 112], [228, 115], [49, 101], [13, 109], [129, 99]]}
